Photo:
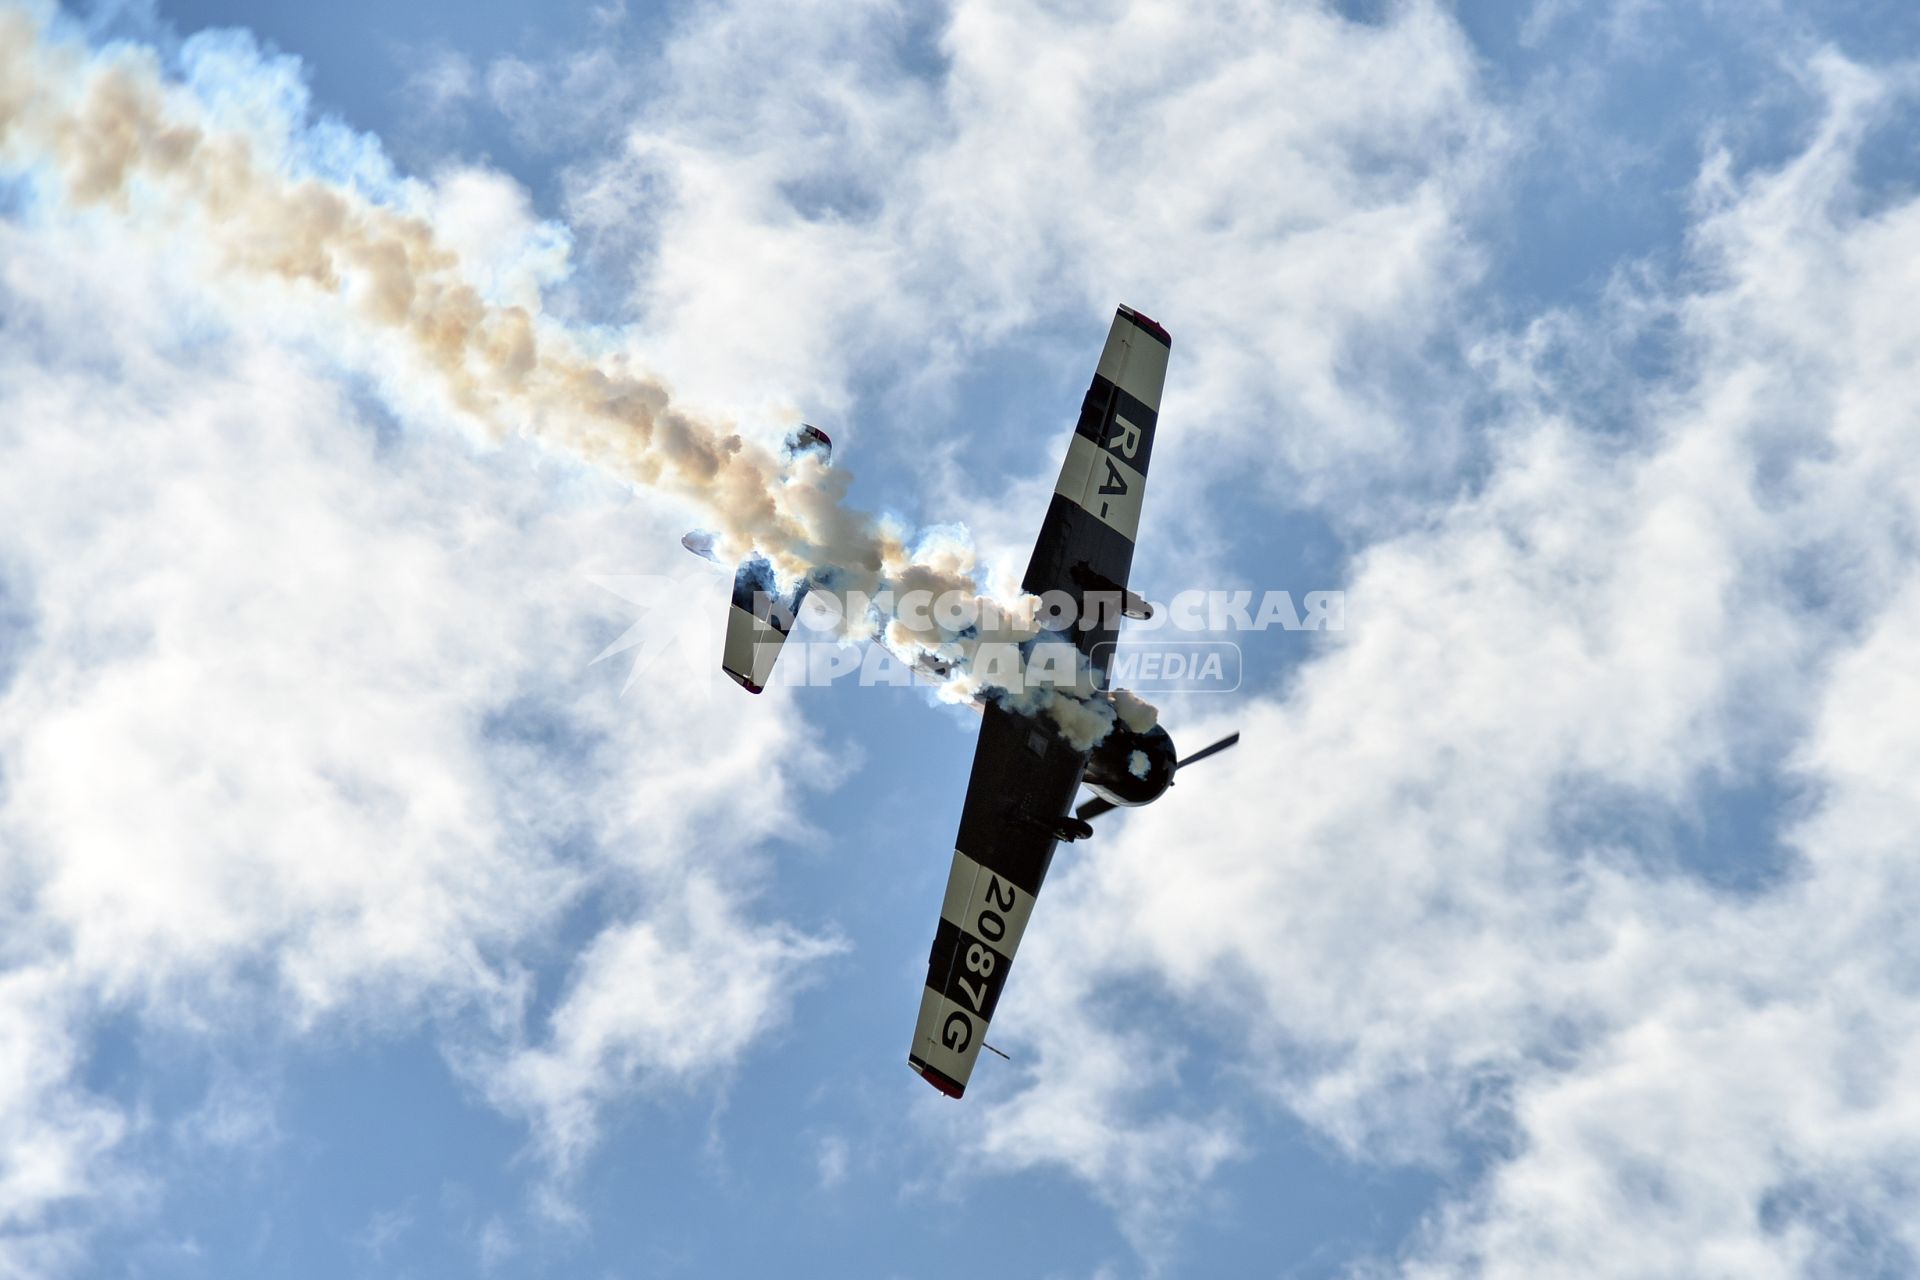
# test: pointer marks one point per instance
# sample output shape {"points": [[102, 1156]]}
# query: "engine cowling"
{"points": [[1132, 767]]}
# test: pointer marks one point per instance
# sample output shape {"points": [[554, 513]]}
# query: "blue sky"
{"points": [[1549, 920]]}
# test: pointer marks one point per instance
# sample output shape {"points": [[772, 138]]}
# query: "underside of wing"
{"points": [[1086, 542], [981, 923], [759, 617], [1024, 777]]}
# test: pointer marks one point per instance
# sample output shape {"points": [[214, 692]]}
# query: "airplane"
{"points": [[1026, 772]]}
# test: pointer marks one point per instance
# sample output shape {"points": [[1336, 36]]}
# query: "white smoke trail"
{"points": [[109, 126], [113, 132]]}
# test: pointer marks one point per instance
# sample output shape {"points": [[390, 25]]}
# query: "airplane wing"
{"points": [[1025, 774], [1086, 542]]}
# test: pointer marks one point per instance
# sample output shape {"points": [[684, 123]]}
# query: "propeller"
{"points": [[1213, 750], [1099, 805]]}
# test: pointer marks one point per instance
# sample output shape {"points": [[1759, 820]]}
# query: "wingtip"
{"points": [[945, 1084], [1150, 325]]}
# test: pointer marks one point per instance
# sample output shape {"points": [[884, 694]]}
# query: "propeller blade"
{"points": [[1094, 808], [1204, 752]]}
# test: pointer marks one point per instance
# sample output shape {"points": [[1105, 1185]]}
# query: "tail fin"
{"points": [[758, 620]]}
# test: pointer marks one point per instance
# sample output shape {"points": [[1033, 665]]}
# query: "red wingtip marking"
{"points": [[743, 682], [951, 1088], [1147, 323]]}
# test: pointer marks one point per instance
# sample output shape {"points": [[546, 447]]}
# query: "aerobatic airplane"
{"points": [[1026, 773]]}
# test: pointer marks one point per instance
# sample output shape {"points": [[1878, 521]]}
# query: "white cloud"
{"points": [[53, 1137], [650, 1002], [245, 739], [831, 1161], [384, 1230], [560, 103], [487, 219], [1427, 937], [513, 85], [496, 1246], [305, 730], [1287, 188], [442, 82]]}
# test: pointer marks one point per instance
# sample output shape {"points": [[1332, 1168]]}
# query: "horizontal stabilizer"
{"points": [[810, 439], [758, 619]]}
